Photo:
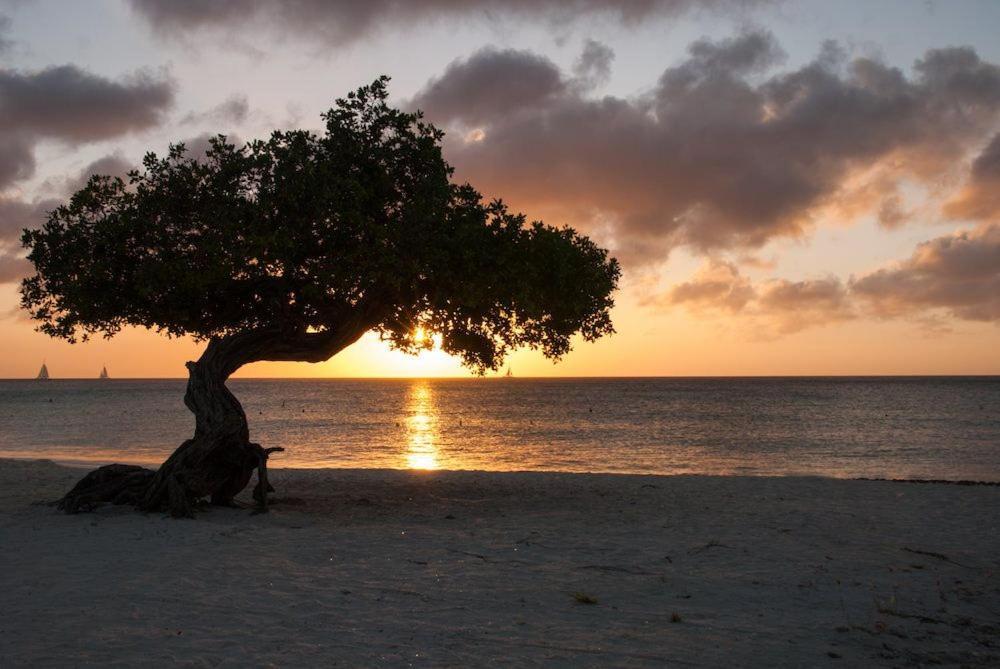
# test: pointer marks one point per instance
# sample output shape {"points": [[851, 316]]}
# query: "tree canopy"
{"points": [[303, 232]]}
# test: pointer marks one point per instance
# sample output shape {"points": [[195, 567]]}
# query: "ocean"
{"points": [[933, 427]]}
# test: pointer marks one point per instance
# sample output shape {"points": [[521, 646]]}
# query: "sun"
{"points": [[373, 357]]}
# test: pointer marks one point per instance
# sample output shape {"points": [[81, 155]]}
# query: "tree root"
{"points": [[178, 486], [114, 484], [263, 486]]}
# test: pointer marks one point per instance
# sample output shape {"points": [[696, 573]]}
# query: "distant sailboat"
{"points": [[43, 373], [104, 373], [508, 374]]}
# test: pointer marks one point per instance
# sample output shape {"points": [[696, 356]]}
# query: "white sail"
{"points": [[43, 373], [104, 372]]}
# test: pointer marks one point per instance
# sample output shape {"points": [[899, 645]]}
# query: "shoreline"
{"points": [[85, 465], [360, 567]]}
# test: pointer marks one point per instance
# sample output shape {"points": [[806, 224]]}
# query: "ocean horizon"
{"points": [[911, 427]]}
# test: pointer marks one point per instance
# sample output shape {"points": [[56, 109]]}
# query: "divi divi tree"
{"points": [[291, 249]]}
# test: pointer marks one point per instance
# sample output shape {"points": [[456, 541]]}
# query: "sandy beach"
{"points": [[397, 568]]}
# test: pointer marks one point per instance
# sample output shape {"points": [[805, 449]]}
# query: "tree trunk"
{"points": [[219, 460]]}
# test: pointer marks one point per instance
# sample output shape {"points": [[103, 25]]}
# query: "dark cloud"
{"points": [[233, 110], [490, 84], [69, 104], [13, 268], [735, 56], [980, 198], [986, 167], [111, 165], [17, 159], [16, 215], [958, 274], [722, 152], [594, 65], [343, 21]]}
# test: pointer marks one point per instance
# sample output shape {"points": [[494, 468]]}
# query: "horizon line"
{"points": [[516, 378]]}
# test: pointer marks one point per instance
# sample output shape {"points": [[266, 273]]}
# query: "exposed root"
{"points": [[114, 484], [185, 479], [263, 486]]}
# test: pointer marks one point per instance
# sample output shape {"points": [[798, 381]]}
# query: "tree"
{"points": [[291, 249]]}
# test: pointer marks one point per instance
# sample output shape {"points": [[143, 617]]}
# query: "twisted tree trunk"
{"points": [[219, 460]]}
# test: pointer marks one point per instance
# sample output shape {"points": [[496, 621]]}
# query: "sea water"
{"points": [[937, 427]]}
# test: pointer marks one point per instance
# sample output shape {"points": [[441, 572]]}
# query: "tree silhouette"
{"points": [[291, 249]]}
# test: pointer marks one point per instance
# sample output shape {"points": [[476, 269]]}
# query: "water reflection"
{"points": [[421, 426]]}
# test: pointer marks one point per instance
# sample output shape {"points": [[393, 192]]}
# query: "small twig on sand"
{"points": [[711, 544], [635, 571], [475, 555], [939, 556]]}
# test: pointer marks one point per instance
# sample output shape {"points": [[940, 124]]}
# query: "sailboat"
{"points": [[43, 373], [104, 372], [508, 374]]}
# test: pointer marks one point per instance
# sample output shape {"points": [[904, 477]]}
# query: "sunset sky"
{"points": [[791, 187]]}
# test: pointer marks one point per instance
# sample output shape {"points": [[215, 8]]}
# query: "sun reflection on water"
{"points": [[421, 425]]}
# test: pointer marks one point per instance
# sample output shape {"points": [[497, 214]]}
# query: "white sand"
{"points": [[394, 568]]}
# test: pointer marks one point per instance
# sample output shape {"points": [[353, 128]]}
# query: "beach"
{"points": [[398, 568]]}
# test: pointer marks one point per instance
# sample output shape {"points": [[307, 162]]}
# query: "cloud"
{"points": [[776, 307], [594, 64], [980, 198], [954, 276], [891, 213], [235, 109], [112, 165], [5, 44], [13, 268], [723, 151], [16, 215], [716, 285], [338, 22], [490, 84], [958, 274], [797, 305], [17, 159], [72, 105]]}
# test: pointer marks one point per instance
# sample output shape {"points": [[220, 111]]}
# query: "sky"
{"points": [[792, 188]]}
